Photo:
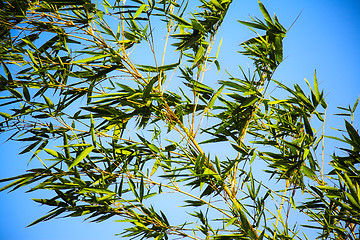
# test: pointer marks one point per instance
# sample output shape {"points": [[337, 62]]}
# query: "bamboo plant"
{"points": [[114, 101]]}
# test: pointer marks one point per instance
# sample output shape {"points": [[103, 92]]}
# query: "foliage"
{"points": [[117, 132]]}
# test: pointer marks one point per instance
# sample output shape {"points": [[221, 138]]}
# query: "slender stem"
{"points": [[323, 150], [280, 208]]}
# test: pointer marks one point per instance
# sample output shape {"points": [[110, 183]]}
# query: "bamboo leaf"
{"points": [[316, 87], [180, 20], [141, 192], [353, 134], [96, 190], [307, 171], [355, 105], [53, 153], [92, 130], [155, 166], [213, 99], [307, 126], [199, 55], [265, 13], [132, 187], [148, 68], [49, 216], [5, 115], [91, 59], [15, 93], [49, 102], [149, 86], [139, 11], [217, 4], [254, 25], [7, 72], [81, 156]]}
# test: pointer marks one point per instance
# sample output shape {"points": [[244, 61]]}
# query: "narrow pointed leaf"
{"points": [[82, 155], [139, 11], [265, 13]]}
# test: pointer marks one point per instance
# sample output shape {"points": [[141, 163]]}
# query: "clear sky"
{"points": [[325, 37]]}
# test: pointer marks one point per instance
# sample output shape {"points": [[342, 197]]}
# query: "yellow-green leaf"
{"points": [[82, 155], [49, 102], [139, 11], [5, 115], [53, 153], [90, 59]]}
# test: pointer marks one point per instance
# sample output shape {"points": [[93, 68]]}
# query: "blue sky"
{"points": [[325, 37]]}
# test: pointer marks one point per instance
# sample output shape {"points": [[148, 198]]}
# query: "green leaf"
{"points": [[7, 72], [245, 224], [91, 59], [210, 172], [133, 188], [190, 42], [36, 65], [49, 216], [153, 148], [15, 93], [194, 203], [141, 192], [147, 68], [49, 102], [5, 115], [249, 101], [199, 87], [149, 86], [231, 221], [355, 105], [180, 20], [30, 147], [213, 99], [139, 11], [316, 87], [353, 134], [26, 93], [97, 190], [53, 153], [265, 13], [81, 156], [307, 126], [66, 2], [199, 55], [254, 25], [239, 149], [92, 130], [350, 183], [292, 202], [50, 202], [354, 202], [307, 171], [21, 181], [75, 145], [277, 102], [155, 166]]}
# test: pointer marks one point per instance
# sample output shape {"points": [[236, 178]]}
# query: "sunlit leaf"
{"points": [[81, 156]]}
